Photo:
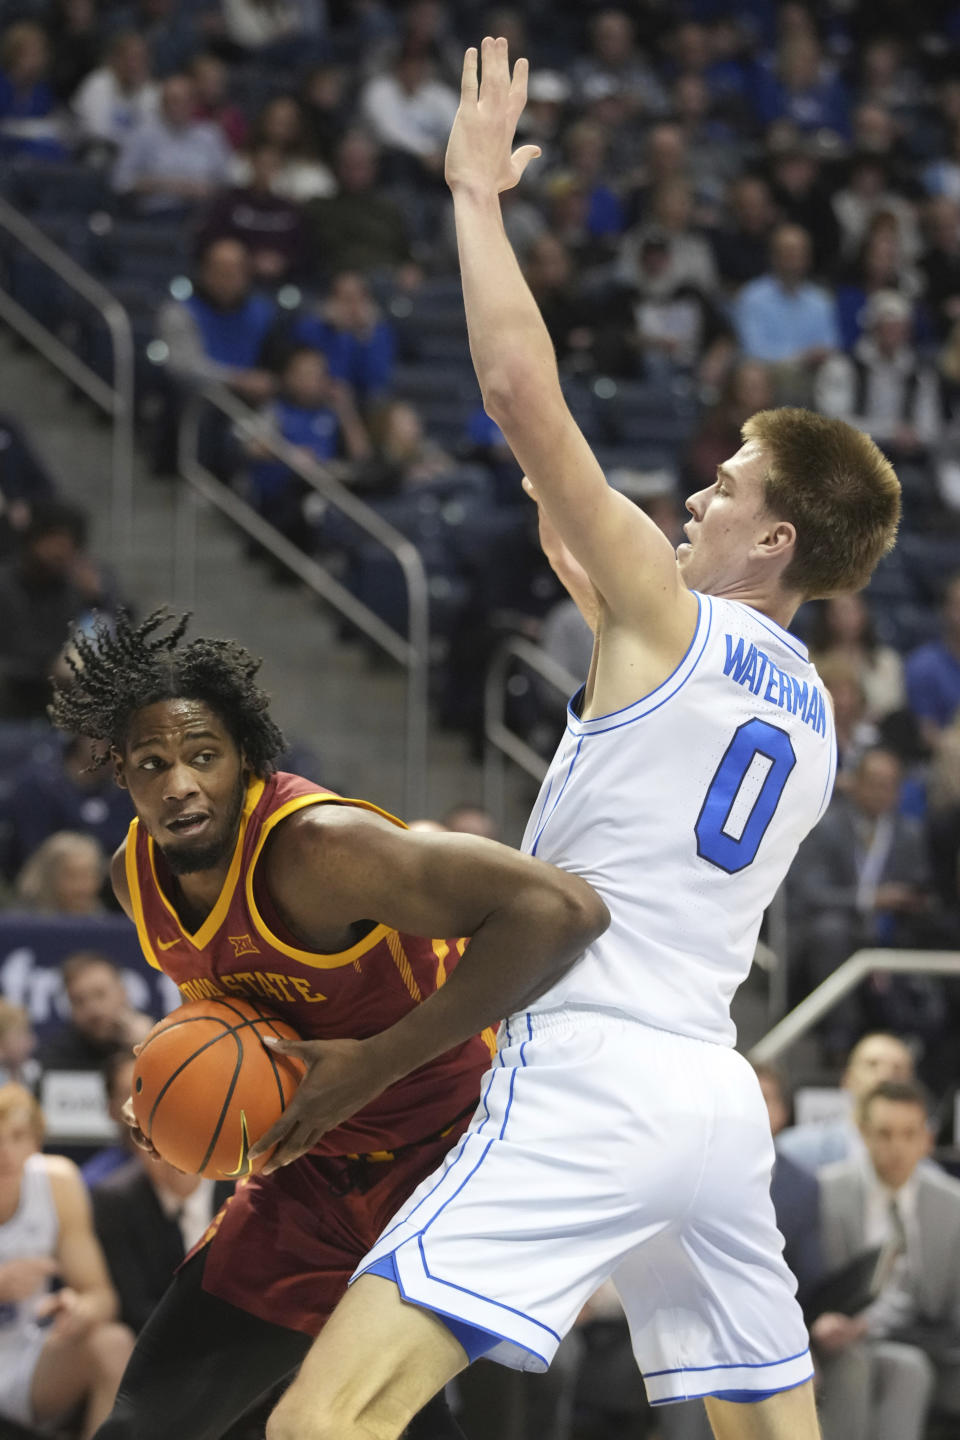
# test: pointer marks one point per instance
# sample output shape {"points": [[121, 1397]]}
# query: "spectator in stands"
{"points": [[303, 175], [147, 1217], [933, 670], [171, 162], [117, 1071], [802, 88], [940, 264], [875, 1058], [615, 57], [120, 95], [861, 878], [272, 228], [406, 456], [410, 112], [280, 34], [61, 1348], [866, 194], [856, 734], [102, 1020], [64, 876], [586, 157], [172, 30], [317, 415], [210, 80], [890, 1198], [222, 332], [64, 790], [747, 389], [691, 258], [17, 1045], [326, 99], [30, 124], [715, 151], [568, 315], [800, 194], [843, 626], [884, 387], [349, 329], [50, 582], [359, 226], [880, 266], [782, 317], [741, 246], [24, 479]]}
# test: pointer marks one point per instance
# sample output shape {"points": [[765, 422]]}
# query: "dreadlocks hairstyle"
{"points": [[118, 671]]}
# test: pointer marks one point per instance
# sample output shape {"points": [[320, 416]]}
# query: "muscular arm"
{"points": [[118, 879], [628, 559], [336, 866]]}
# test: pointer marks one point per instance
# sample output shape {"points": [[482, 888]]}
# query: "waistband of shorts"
{"points": [[527, 1024]]}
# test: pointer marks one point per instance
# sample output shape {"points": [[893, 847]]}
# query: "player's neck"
{"points": [[779, 606], [196, 893]]}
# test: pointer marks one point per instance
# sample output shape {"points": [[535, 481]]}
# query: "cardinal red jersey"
{"points": [[242, 949]]}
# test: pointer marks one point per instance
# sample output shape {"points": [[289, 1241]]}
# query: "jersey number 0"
{"points": [[733, 819]]}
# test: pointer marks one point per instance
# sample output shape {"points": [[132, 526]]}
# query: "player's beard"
{"points": [[187, 858]]}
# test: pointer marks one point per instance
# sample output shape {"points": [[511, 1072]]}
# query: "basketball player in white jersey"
{"points": [[619, 1134], [58, 1348]]}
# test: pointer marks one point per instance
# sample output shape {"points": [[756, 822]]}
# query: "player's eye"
{"points": [[152, 762], [204, 757]]}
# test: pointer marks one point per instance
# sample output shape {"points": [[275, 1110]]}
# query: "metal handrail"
{"points": [[412, 651], [500, 742], [115, 399], [845, 978]]}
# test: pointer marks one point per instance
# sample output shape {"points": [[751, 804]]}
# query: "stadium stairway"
{"points": [[328, 695]]}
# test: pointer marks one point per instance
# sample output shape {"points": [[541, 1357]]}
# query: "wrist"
{"points": [[477, 194]]}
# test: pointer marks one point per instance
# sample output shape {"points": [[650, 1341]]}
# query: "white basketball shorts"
{"points": [[603, 1148]]}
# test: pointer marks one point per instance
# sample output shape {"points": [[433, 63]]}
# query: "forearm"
{"points": [[516, 955], [506, 331]]}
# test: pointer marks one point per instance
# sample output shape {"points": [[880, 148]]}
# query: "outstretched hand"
{"points": [[479, 151], [341, 1078]]}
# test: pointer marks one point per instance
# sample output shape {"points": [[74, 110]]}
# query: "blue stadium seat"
{"points": [[34, 185]]}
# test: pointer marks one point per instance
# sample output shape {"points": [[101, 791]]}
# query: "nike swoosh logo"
{"points": [[168, 945], [243, 1164]]}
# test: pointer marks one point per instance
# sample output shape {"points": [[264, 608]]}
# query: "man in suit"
{"points": [[907, 1340], [874, 1058], [861, 878]]}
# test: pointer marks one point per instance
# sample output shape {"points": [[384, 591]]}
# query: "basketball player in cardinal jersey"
{"points": [[247, 882], [620, 1135]]}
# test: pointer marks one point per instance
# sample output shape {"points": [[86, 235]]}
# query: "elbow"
{"points": [[582, 915]]}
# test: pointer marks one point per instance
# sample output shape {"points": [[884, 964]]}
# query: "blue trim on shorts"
{"points": [[736, 1397], [734, 1365], [475, 1342]]}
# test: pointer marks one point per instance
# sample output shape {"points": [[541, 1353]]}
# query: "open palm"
{"points": [[479, 151]]}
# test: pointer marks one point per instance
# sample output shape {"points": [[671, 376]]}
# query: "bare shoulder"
{"points": [[634, 659], [66, 1183], [118, 878], [323, 839]]}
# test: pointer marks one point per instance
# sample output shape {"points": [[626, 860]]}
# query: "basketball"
{"points": [[205, 1088]]}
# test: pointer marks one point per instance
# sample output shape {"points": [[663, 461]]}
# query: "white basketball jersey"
{"points": [[684, 812]]}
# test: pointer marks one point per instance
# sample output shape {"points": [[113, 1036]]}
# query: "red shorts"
{"points": [[284, 1245]]}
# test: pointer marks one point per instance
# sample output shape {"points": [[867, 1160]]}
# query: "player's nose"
{"points": [[181, 783]]}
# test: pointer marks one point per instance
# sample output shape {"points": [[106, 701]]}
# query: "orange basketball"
{"points": [[205, 1089]]}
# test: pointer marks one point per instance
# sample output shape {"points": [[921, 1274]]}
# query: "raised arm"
{"points": [[528, 924], [628, 559]]}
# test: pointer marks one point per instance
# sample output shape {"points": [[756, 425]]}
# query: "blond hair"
{"points": [[37, 881], [12, 1017], [836, 488], [16, 1098]]}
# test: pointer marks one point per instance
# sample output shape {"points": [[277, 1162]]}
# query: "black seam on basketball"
{"points": [[276, 1076], [224, 1107]]}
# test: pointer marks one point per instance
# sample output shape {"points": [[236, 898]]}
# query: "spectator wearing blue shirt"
{"points": [[172, 162], [350, 331], [29, 124], [316, 414], [781, 317], [220, 333], [802, 88], [933, 670]]}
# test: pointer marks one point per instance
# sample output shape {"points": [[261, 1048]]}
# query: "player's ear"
{"points": [[116, 760], [779, 538]]}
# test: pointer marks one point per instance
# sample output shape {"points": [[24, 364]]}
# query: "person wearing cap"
{"points": [[884, 387]]}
